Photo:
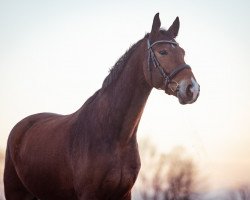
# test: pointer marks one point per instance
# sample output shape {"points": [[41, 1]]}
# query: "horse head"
{"points": [[164, 65]]}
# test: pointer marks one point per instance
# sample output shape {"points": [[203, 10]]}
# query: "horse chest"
{"points": [[123, 171]]}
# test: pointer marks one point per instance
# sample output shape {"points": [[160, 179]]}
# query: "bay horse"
{"points": [[92, 154]]}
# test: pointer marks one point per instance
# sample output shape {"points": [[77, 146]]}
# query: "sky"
{"points": [[55, 54]]}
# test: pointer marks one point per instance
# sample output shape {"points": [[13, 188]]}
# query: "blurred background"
{"points": [[55, 54]]}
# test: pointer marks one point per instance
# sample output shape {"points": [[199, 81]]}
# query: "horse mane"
{"points": [[116, 70]]}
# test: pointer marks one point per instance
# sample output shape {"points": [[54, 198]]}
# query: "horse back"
{"points": [[38, 147]]}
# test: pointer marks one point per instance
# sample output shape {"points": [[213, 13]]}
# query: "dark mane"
{"points": [[116, 70]]}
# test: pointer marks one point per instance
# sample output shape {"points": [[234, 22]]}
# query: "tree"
{"points": [[240, 193], [166, 176]]}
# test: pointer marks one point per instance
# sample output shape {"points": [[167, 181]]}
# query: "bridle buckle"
{"points": [[173, 86]]}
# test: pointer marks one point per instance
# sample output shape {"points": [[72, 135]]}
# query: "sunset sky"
{"points": [[55, 54]]}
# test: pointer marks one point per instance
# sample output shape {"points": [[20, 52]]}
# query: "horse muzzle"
{"points": [[188, 91]]}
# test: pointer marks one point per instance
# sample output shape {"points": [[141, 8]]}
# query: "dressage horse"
{"points": [[92, 154]]}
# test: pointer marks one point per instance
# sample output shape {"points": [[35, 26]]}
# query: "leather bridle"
{"points": [[168, 77]]}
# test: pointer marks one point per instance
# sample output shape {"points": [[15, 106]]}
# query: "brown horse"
{"points": [[93, 153]]}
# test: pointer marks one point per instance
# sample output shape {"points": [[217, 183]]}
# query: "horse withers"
{"points": [[92, 154]]}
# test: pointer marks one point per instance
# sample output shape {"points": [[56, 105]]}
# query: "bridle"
{"points": [[168, 77]]}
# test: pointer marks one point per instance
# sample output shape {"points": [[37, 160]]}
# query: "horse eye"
{"points": [[163, 52]]}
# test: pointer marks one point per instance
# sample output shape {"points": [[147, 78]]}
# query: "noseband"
{"points": [[166, 76]]}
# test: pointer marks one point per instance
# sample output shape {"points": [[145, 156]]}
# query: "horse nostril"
{"points": [[189, 91]]}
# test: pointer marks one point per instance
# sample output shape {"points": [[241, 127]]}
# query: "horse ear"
{"points": [[174, 28], [156, 26]]}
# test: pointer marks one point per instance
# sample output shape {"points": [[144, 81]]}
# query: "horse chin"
{"points": [[184, 100], [181, 101]]}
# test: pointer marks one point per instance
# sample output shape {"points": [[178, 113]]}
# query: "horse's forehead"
{"points": [[164, 35]]}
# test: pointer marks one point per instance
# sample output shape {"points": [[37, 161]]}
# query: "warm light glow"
{"points": [[53, 56]]}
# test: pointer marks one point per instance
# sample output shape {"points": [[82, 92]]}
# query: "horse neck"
{"points": [[118, 107]]}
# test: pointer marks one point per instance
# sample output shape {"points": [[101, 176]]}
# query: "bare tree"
{"points": [[240, 193], [166, 176], [181, 177], [244, 192]]}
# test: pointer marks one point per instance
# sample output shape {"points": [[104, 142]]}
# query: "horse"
{"points": [[92, 154]]}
